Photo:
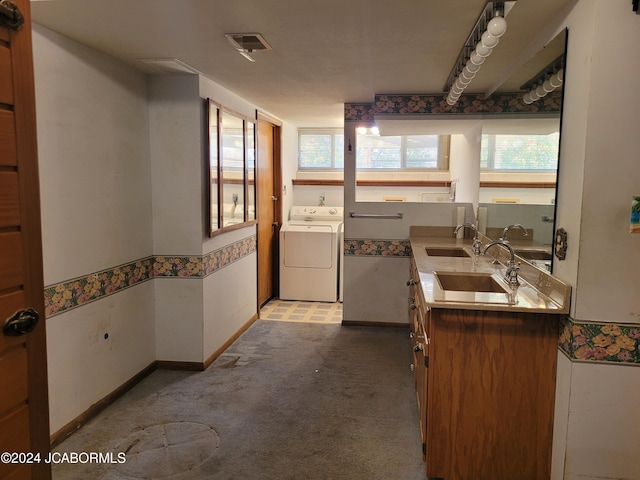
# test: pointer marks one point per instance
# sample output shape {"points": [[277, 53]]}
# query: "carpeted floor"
{"points": [[286, 401]]}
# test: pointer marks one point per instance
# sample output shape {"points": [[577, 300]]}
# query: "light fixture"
{"points": [[246, 43], [544, 82], [484, 37]]}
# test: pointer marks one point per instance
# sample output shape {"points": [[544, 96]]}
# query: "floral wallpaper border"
{"points": [[377, 248], [472, 104], [600, 342], [64, 296]]}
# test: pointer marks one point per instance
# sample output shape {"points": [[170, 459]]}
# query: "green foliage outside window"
{"points": [[520, 152]]}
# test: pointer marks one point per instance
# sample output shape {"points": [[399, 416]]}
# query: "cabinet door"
{"points": [[421, 362], [491, 394]]}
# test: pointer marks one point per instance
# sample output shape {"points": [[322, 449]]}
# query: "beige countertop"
{"points": [[538, 291]]}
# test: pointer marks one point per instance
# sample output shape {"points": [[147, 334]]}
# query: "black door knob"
{"points": [[22, 322]]}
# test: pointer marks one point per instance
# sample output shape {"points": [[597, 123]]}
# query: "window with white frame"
{"points": [[324, 150], [321, 149], [524, 153]]}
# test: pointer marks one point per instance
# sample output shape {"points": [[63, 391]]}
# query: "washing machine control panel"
{"points": [[315, 213]]}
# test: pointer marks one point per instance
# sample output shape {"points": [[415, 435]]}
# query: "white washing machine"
{"points": [[310, 254]]}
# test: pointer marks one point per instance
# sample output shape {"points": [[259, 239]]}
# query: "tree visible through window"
{"points": [[520, 152], [324, 150], [321, 149]]}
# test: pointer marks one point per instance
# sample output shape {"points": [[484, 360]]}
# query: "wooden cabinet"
{"points": [[419, 319], [485, 385]]}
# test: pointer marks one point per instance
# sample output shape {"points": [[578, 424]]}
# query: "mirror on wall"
{"points": [[505, 163], [213, 115], [231, 169], [520, 185], [251, 170], [519, 161]]}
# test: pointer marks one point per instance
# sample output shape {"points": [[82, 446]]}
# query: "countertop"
{"points": [[538, 291]]}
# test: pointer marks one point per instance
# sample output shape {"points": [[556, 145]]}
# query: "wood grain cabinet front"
{"points": [[485, 388], [490, 396]]}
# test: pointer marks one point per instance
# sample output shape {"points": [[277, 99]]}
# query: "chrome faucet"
{"points": [[511, 274], [513, 225], [476, 241]]}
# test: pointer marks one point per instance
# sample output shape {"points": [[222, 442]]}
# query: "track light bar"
{"points": [[545, 81], [484, 37]]}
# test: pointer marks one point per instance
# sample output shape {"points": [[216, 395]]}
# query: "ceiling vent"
{"points": [[246, 43], [167, 66]]}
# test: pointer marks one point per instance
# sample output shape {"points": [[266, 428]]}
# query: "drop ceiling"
{"points": [[324, 52]]}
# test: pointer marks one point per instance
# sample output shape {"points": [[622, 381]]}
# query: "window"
{"points": [[321, 149], [324, 150], [520, 152], [402, 152]]}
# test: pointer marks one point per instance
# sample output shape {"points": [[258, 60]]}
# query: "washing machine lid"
{"points": [[316, 213]]}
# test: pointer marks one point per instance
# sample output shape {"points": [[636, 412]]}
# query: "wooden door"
{"points": [[268, 207], [24, 417]]}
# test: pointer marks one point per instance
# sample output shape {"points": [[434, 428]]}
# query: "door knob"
{"points": [[22, 322]]}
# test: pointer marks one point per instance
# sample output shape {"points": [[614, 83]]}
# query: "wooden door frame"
{"points": [[277, 187], [24, 110]]}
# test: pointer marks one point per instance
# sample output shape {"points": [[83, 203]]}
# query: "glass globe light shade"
{"points": [[489, 40], [451, 102], [467, 75], [463, 80], [533, 95], [560, 75], [541, 91], [472, 67], [555, 81], [526, 98], [483, 50], [547, 86], [476, 59], [497, 26], [456, 89]]}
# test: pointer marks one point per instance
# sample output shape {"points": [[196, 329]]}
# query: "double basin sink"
{"points": [[452, 276]]}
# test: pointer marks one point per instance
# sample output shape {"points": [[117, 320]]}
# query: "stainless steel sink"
{"points": [[446, 252], [468, 282]]}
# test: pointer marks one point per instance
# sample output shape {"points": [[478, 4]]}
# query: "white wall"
{"points": [[375, 287], [93, 153], [176, 130], [598, 421], [289, 166], [84, 366], [95, 186], [465, 163], [610, 170], [123, 178]]}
